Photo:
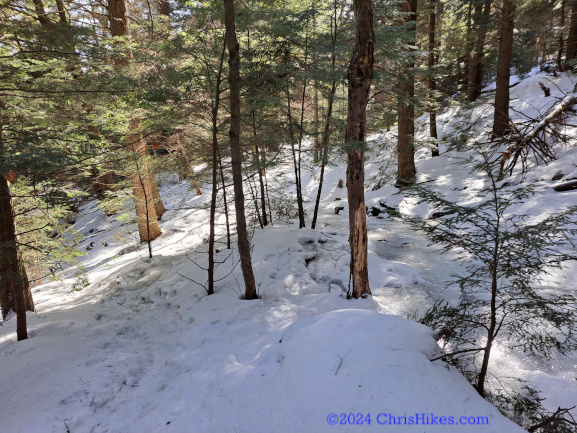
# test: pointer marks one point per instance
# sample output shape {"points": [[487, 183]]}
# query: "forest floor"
{"points": [[143, 349]]}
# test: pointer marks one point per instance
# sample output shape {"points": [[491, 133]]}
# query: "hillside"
{"points": [[143, 349]]}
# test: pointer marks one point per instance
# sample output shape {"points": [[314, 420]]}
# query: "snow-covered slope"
{"points": [[143, 349]]}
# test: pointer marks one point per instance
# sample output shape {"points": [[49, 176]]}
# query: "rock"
{"points": [[375, 211], [558, 176], [338, 209]]}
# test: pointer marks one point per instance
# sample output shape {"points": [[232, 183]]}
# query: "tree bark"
{"points": [[42, 15], [475, 79], [501, 117], [148, 227], [296, 164], [211, 237], [572, 38], [431, 82], [147, 198], [560, 65], [360, 76], [163, 8], [15, 294], [406, 110], [324, 150], [235, 153]]}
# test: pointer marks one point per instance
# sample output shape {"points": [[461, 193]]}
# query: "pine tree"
{"points": [[505, 256]]}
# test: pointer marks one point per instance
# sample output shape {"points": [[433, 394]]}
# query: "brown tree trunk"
{"points": [[501, 118], [572, 38], [15, 294], [61, 11], [42, 15], [214, 176], [261, 171], [148, 227], [360, 76], [431, 82], [235, 152], [326, 131], [104, 182], [406, 110], [158, 205], [475, 79], [561, 40], [317, 143], [147, 198], [324, 149], [296, 163], [163, 8], [224, 198]]}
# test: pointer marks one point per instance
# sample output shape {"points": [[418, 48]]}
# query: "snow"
{"points": [[143, 349]]}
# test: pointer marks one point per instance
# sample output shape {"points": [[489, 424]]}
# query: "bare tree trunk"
{"points": [[475, 79], [147, 198], [15, 294], [148, 227], [406, 110], [236, 157], [42, 15], [226, 216], [261, 171], [360, 76], [163, 8], [317, 144], [61, 11], [326, 131], [501, 117], [431, 82], [214, 175], [324, 150], [295, 164], [158, 205], [561, 40], [572, 38]]}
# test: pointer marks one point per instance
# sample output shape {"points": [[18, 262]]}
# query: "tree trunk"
{"points": [[214, 175], [158, 205], [360, 76], [42, 15], [475, 79], [317, 143], [431, 82], [572, 38], [326, 131], [561, 40], [261, 171], [15, 294], [163, 8], [406, 110], [147, 198], [501, 117], [148, 227], [296, 164], [235, 153], [324, 149], [224, 198]]}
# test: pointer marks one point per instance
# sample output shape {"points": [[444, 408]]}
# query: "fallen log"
{"points": [[522, 142], [567, 186]]}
